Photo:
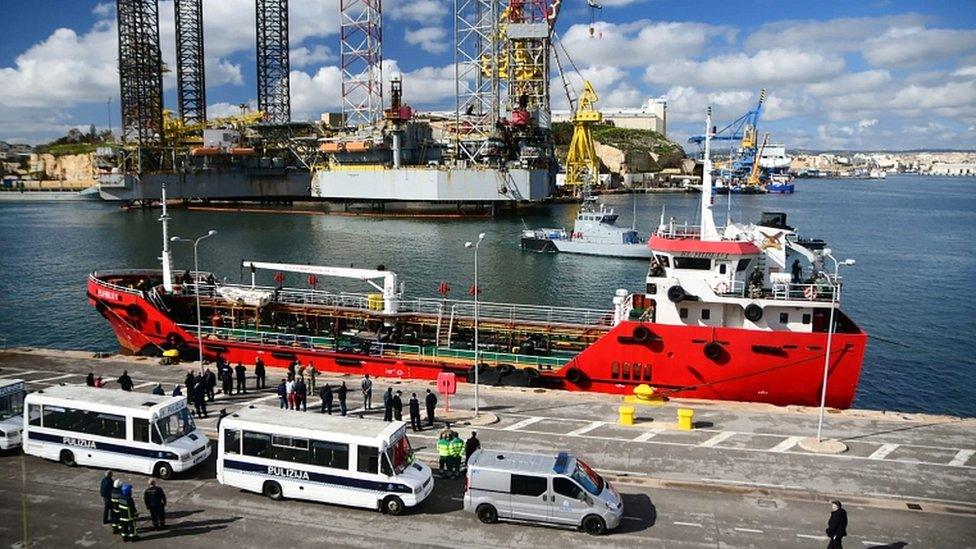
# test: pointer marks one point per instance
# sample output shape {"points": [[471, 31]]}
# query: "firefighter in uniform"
{"points": [[116, 496], [128, 514]]}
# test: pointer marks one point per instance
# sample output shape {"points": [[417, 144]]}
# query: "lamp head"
{"points": [[468, 244], [481, 236], [175, 239], [211, 232], [849, 262]]}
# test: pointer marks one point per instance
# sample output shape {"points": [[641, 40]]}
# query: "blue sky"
{"points": [[854, 75]]}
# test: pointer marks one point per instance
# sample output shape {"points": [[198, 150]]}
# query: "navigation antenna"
{"points": [[167, 256]]}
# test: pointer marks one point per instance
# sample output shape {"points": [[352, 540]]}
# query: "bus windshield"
{"points": [[400, 454], [11, 405], [587, 478], [176, 425]]}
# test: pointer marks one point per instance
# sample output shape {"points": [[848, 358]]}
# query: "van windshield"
{"points": [[587, 478], [11, 405], [176, 425], [400, 454]]}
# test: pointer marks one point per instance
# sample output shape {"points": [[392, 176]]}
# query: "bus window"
{"points": [[103, 425], [140, 429], [290, 449], [330, 454], [232, 441], [176, 425], [34, 415], [257, 444], [56, 417], [367, 459]]}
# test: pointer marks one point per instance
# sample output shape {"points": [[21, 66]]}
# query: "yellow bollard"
{"points": [[626, 415], [686, 418]]}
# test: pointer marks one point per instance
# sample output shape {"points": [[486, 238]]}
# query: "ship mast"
{"points": [[167, 256], [708, 230]]}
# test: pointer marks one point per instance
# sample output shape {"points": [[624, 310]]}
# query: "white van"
{"points": [[332, 459], [12, 393], [117, 429], [554, 489]]}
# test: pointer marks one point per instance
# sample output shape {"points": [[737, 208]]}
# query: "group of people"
{"points": [[119, 507], [451, 449], [294, 389], [393, 407]]}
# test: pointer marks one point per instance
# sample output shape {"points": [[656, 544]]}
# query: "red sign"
{"points": [[474, 290], [279, 277], [446, 383], [312, 280], [444, 288]]}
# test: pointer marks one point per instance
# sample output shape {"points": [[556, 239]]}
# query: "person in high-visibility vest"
{"points": [[443, 454], [128, 514], [457, 451], [116, 500]]}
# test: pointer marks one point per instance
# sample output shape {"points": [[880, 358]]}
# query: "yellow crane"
{"points": [[582, 164], [753, 180], [178, 133]]}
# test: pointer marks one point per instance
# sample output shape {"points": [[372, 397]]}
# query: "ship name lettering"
{"points": [[108, 294]]}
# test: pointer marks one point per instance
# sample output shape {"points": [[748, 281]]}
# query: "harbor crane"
{"points": [[744, 130]]}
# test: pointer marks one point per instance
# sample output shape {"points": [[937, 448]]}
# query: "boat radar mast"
{"points": [[708, 230], [167, 256]]}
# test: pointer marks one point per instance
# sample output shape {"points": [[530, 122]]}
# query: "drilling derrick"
{"points": [[476, 76], [361, 61], [526, 58], [140, 71], [189, 61], [274, 96]]}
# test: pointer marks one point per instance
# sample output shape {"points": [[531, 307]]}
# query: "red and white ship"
{"points": [[723, 317]]}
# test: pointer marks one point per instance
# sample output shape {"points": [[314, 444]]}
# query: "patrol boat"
{"points": [[594, 233]]}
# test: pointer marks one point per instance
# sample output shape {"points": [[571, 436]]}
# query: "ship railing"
{"points": [[99, 276], [684, 230], [820, 291]]}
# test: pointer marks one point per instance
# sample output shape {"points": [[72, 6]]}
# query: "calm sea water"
{"points": [[914, 239]]}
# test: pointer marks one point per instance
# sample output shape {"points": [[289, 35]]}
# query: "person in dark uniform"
{"points": [[388, 404], [326, 395], [282, 395], [259, 373], [128, 514], [471, 446], [158, 390], [90, 379], [430, 401], [367, 386], [301, 395], [125, 381], [210, 382], [796, 272], [155, 500], [177, 392], [116, 499], [341, 392], [291, 369], [200, 398], [105, 490], [836, 525], [397, 407], [241, 372], [227, 381], [414, 406], [189, 380]]}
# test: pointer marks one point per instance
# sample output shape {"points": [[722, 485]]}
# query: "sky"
{"points": [[878, 75]]}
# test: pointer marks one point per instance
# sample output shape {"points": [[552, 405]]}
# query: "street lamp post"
{"points": [[834, 288], [477, 363], [196, 287]]}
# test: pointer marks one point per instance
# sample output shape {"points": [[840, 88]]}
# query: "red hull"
{"points": [[747, 365]]}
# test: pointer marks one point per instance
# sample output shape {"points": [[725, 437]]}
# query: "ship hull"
{"points": [[783, 368], [633, 251]]}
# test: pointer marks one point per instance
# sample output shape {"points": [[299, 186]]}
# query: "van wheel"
{"points": [[392, 505], [487, 514], [594, 525], [163, 471], [272, 490], [68, 458]]}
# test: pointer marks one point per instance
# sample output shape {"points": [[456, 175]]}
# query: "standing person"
{"points": [[125, 381], [105, 490], [397, 407], [200, 398], [259, 373], [326, 395], [431, 401], [457, 450], [367, 392], [312, 374], [116, 497], [291, 369], [388, 404], [188, 381], [301, 394], [241, 372], [283, 394], [471, 446], [128, 513], [90, 379], [342, 398], [158, 390], [290, 389], [836, 525], [176, 391], [301, 368], [796, 272], [99, 383], [210, 381], [443, 454], [155, 500], [414, 407], [226, 381]]}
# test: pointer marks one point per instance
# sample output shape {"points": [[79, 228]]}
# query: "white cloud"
{"points": [[104, 9], [833, 35], [222, 109], [430, 39], [221, 72], [764, 68], [312, 95], [304, 56], [916, 45], [850, 83], [688, 104], [641, 42], [421, 11]]}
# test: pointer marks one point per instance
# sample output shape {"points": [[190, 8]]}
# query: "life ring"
{"points": [[722, 288], [676, 294], [754, 312], [641, 334], [713, 350], [810, 292]]}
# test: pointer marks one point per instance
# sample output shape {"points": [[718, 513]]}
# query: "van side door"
{"points": [[570, 502], [530, 497]]}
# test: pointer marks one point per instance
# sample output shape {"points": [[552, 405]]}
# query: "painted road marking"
{"points": [[717, 439], [808, 536], [644, 437], [587, 429], [696, 524], [875, 543], [750, 530], [21, 372], [146, 384], [962, 456], [883, 451], [50, 379], [786, 444], [262, 399], [523, 423], [632, 518], [747, 483]]}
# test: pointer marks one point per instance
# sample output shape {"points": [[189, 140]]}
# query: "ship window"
{"points": [[696, 263], [706, 314], [614, 369], [626, 371], [652, 289], [636, 371], [722, 268], [806, 318], [784, 318], [664, 261], [647, 372], [683, 312], [743, 263]]}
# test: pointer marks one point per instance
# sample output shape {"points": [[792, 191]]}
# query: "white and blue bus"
{"points": [[331, 459], [12, 392], [116, 429]]}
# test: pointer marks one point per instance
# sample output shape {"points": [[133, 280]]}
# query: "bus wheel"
{"points": [[272, 490], [487, 514], [163, 471], [393, 505], [68, 458], [594, 525]]}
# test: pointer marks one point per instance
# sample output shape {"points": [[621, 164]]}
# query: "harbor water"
{"points": [[914, 239]]}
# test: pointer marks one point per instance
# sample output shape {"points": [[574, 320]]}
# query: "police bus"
{"points": [[331, 459], [139, 432], [12, 393]]}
